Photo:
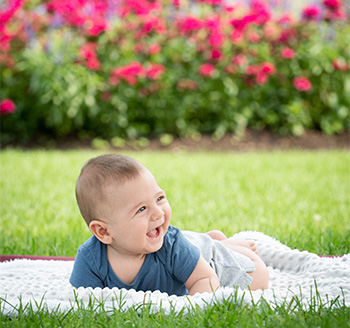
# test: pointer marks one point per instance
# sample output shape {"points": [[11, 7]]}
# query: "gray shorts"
{"points": [[231, 267]]}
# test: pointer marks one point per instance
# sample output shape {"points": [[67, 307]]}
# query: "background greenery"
{"points": [[58, 69], [300, 198]]}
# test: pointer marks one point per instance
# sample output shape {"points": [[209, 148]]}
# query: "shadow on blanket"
{"points": [[294, 276]]}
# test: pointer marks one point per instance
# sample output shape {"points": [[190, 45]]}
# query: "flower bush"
{"points": [[143, 68]]}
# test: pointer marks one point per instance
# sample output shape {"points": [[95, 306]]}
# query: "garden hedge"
{"points": [[116, 69]]}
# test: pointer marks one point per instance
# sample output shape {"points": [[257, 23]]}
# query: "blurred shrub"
{"points": [[131, 69]]}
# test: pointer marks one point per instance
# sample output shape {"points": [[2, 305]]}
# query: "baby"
{"points": [[134, 246]]}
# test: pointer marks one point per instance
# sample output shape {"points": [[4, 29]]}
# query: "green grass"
{"points": [[299, 197]]}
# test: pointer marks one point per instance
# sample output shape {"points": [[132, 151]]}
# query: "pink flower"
{"points": [[236, 36], [311, 12], [155, 71], [268, 68], [340, 65], [216, 54], [129, 73], [96, 26], [252, 70], [332, 4], [260, 73], [7, 106], [240, 60], [302, 84], [88, 52], [216, 39], [93, 64], [206, 70], [261, 11], [253, 37], [287, 53], [190, 24], [154, 49], [285, 19], [261, 78], [212, 2], [241, 23], [152, 24]]}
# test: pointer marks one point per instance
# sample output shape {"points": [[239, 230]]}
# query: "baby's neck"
{"points": [[125, 266]]}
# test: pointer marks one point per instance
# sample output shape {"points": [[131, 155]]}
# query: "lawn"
{"points": [[298, 197]]}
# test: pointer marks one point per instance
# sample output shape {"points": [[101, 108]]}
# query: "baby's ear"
{"points": [[99, 229]]}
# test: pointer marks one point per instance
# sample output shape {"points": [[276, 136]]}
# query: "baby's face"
{"points": [[138, 215]]}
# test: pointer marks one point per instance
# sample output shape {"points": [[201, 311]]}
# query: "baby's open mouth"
{"points": [[154, 233]]}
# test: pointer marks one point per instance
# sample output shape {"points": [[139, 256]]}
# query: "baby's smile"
{"points": [[155, 233]]}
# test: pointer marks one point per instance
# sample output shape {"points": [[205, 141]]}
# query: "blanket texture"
{"points": [[295, 276]]}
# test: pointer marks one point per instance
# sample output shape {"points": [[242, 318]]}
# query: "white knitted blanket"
{"points": [[295, 277]]}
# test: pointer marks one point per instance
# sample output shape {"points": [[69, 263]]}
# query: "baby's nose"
{"points": [[157, 213]]}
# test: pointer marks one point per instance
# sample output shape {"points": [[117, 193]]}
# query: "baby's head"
{"points": [[96, 176], [122, 204]]}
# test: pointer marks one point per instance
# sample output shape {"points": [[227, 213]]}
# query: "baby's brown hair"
{"points": [[97, 174]]}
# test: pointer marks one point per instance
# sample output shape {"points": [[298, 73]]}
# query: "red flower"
{"points": [[252, 70], [332, 4], [88, 52], [206, 70], [155, 71], [96, 26], [190, 24], [311, 12], [216, 39], [93, 64], [285, 19], [240, 60], [236, 36], [260, 72], [152, 25], [302, 84], [261, 78], [268, 68], [7, 106], [154, 49], [340, 65], [242, 23], [212, 2], [129, 73], [216, 54], [287, 53], [261, 11]]}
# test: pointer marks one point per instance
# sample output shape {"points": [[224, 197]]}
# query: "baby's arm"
{"points": [[203, 279]]}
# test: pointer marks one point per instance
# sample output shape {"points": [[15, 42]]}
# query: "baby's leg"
{"points": [[250, 244], [260, 275], [216, 234], [219, 235]]}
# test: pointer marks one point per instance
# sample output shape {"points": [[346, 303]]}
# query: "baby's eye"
{"points": [[141, 209], [160, 198]]}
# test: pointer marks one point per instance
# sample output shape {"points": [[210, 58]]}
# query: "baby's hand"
{"points": [[250, 244]]}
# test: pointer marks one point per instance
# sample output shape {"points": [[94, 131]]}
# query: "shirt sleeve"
{"points": [[182, 257], [85, 273]]}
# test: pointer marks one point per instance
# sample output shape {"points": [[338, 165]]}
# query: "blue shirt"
{"points": [[166, 270]]}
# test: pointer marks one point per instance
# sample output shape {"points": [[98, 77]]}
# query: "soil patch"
{"points": [[252, 140]]}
